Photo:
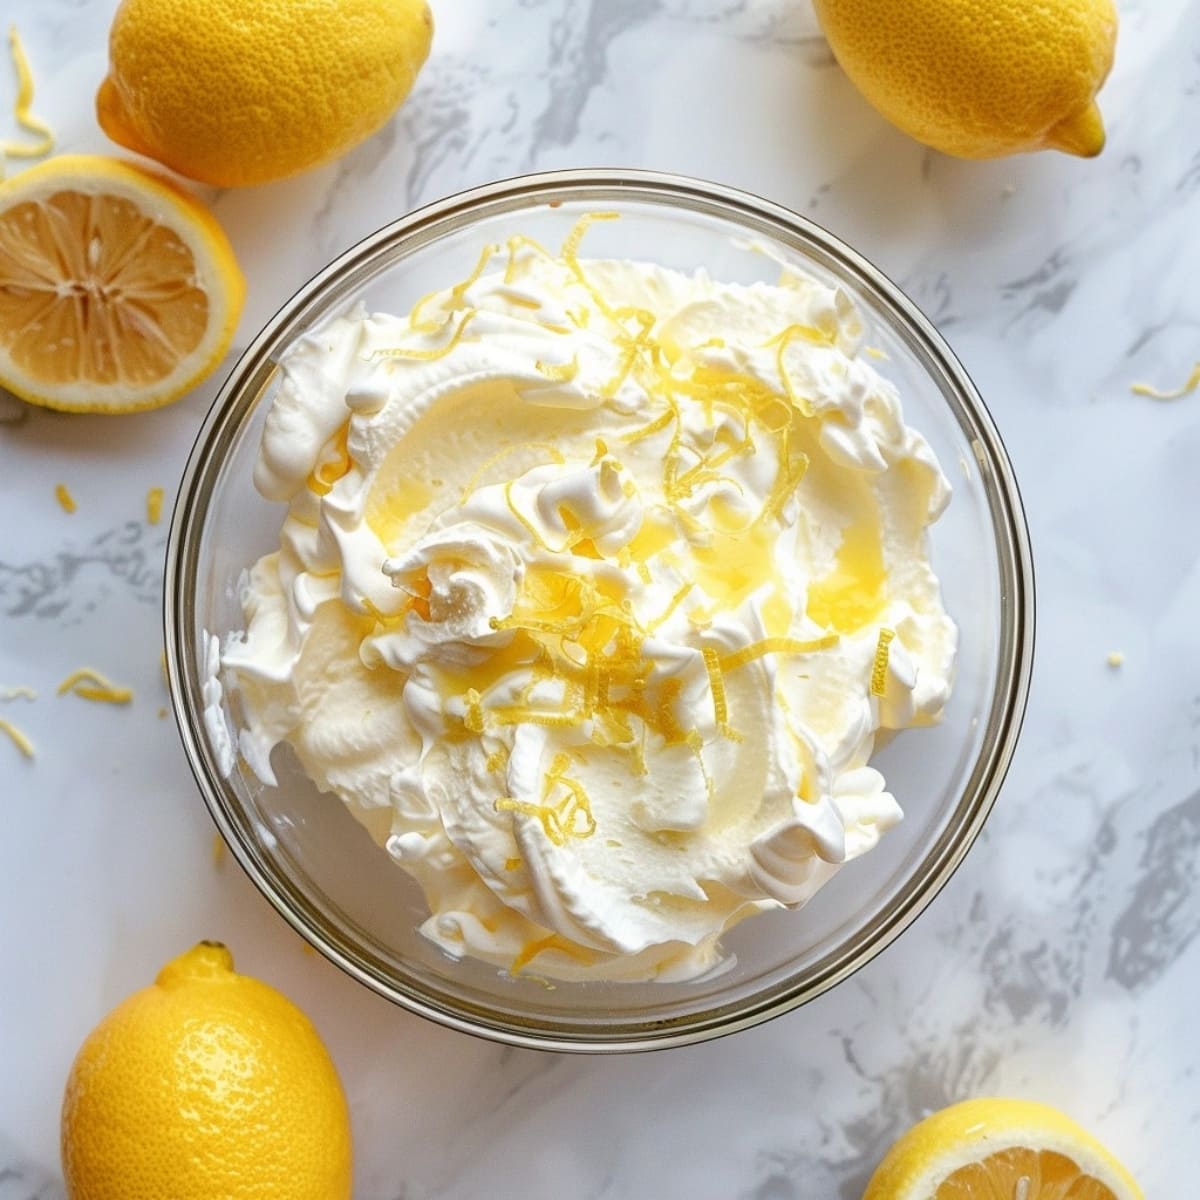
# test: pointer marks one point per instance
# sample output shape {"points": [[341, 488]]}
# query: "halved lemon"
{"points": [[118, 290], [989, 1148]]}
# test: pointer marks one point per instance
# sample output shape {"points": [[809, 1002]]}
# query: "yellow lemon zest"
{"points": [[91, 685], [548, 448], [497, 760], [880, 666], [560, 821], [675, 601], [570, 246], [63, 495], [649, 430], [154, 505], [457, 292], [1189, 386], [559, 372], [333, 468], [23, 108], [775, 645], [19, 740], [415, 355], [784, 339], [218, 850], [512, 864], [521, 242], [716, 685], [20, 692]]}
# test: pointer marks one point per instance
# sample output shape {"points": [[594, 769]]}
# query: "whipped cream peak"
{"points": [[597, 582]]}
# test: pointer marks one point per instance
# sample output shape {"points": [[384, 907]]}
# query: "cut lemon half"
{"points": [[990, 1149], [118, 290]]}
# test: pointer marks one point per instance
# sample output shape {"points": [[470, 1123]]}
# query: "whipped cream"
{"points": [[596, 584]]}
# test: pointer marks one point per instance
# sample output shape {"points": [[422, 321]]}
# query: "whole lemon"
{"points": [[980, 78], [234, 92], [208, 1085]]}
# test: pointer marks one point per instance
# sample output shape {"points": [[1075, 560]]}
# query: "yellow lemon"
{"points": [[208, 1085], [235, 92], [980, 78], [981, 1149], [118, 291]]}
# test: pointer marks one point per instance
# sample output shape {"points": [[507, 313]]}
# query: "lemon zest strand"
{"points": [[675, 601], [570, 246], [782, 340], [19, 740], [434, 354], [559, 372], [154, 505], [18, 693], [774, 645], [512, 864], [1192, 383], [91, 685], [716, 685], [23, 106], [325, 474], [63, 495], [457, 292], [880, 666]]}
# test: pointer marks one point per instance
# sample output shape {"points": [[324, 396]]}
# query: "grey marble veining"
{"points": [[1062, 960]]}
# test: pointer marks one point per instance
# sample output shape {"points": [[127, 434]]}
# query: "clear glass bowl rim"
{"points": [[358, 265]]}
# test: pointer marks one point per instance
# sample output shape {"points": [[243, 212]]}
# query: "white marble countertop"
{"points": [[1061, 962]]}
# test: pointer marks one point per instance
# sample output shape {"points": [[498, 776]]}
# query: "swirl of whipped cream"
{"points": [[596, 584]]}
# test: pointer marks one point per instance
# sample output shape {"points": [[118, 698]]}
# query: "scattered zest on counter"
{"points": [[1192, 383], [91, 685], [23, 109], [19, 740], [994, 1147], [154, 503], [1115, 658], [218, 850], [63, 495], [18, 693]]}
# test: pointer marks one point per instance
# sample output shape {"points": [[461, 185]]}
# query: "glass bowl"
{"points": [[319, 867]]}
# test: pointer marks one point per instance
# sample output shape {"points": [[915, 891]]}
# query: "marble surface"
{"points": [[1061, 962]]}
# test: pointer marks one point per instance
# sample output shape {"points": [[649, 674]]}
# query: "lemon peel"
{"points": [[976, 79], [235, 94], [63, 495], [1189, 385], [91, 685], [154, 505], [207, 1083], [20, 692], [993, 1146], [880, 665], [22, 743], [23, 108]]}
